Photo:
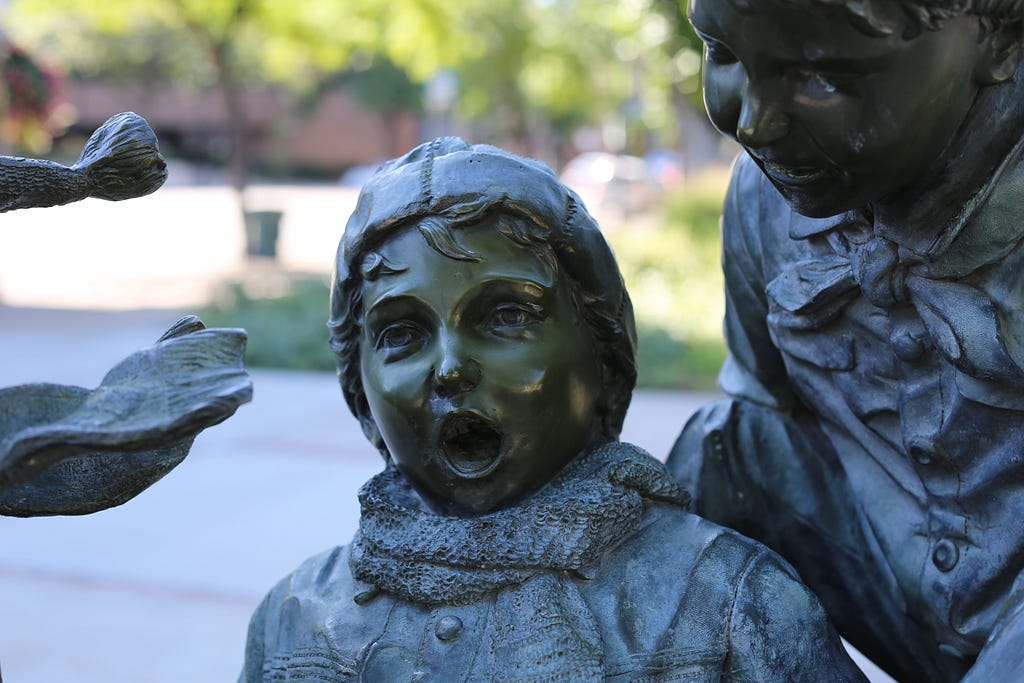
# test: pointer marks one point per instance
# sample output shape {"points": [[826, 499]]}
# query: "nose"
{"points": [[454, 372], [762, 120]]}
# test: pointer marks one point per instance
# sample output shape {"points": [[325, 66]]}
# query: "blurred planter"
{"points": [[261, 231]]}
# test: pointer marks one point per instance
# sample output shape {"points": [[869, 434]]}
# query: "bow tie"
{"points": [[960, 319]]}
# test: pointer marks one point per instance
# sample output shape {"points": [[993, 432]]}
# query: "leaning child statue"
{"points": [[873, 252], [486, 344]]}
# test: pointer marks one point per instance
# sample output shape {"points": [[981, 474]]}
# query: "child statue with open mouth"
{"points": [[485, 342]]}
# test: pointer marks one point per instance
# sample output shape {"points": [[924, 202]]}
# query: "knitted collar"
{"points": [[518, 562], [593, 504]]}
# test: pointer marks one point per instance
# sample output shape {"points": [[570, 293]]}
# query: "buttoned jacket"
{"points": [[909, 352], [679, 600]]}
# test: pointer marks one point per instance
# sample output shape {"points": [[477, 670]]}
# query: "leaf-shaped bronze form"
{"points": [[68, 450]]}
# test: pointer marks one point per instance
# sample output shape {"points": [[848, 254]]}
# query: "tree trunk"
{"points": [[231, 92]]}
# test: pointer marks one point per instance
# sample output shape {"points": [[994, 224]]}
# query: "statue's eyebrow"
{"points": [[374, 266], [532, 286], [389, 301]]}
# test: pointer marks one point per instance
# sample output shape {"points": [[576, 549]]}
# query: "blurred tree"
{"points": [[526, 69], [385, 88], [683, 48], [562, 64], [225, 44]]}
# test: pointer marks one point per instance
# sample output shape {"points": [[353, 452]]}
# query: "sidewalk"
{"points": [[160, 590]]}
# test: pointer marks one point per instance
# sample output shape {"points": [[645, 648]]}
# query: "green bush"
{"points": [[286, 319], [669, 259], [672, 267]]}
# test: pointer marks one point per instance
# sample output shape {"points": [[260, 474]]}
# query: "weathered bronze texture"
{"points": [[121, 160], [67, 450], [486, 343], [875, 318]]}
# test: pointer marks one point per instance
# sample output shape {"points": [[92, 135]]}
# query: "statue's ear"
{"points": [[1000, 55]]}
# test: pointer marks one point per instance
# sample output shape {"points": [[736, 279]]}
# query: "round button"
{"points": [[448, 628], [945, 555], [906, 346]]}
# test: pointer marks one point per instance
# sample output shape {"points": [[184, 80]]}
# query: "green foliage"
{"points": [[564, 62], [668, 362], [684, 49], [287, 327], [384, 87], [570, 62], [177, 41], [672, 269]]}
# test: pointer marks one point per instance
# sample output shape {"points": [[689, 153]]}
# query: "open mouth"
{"points": [[793, 175], [471, 444]]}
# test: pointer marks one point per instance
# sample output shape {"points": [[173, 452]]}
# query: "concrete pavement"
{"points": [[160, 590]]}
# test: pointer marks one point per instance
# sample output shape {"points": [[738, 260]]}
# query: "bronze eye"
{"points": [[514, 316], [398, 340]]}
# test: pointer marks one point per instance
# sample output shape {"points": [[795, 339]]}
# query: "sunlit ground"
{"points": [[169, 249]]}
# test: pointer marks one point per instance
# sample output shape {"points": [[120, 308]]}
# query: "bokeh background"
{"points": [[271, 114]]}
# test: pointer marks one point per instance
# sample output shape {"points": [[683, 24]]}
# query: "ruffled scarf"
{"points": [[525, 556]]}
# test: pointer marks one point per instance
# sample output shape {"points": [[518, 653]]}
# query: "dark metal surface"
{"points": [[69, 450], [873, 245], [121, 160], [486, 343]]}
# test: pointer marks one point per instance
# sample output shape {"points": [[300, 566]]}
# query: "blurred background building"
{"points": [[310, 90]]}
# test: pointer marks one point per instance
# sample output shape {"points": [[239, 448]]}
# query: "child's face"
{"points": [[481, 376], [835, 118]]}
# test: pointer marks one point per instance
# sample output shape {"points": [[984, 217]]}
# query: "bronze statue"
{"points": [[121, 160], [485, 342], [68, 450], [872, 241]]}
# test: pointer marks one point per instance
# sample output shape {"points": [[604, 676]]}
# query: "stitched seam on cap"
{"points": [[427, 171]]}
